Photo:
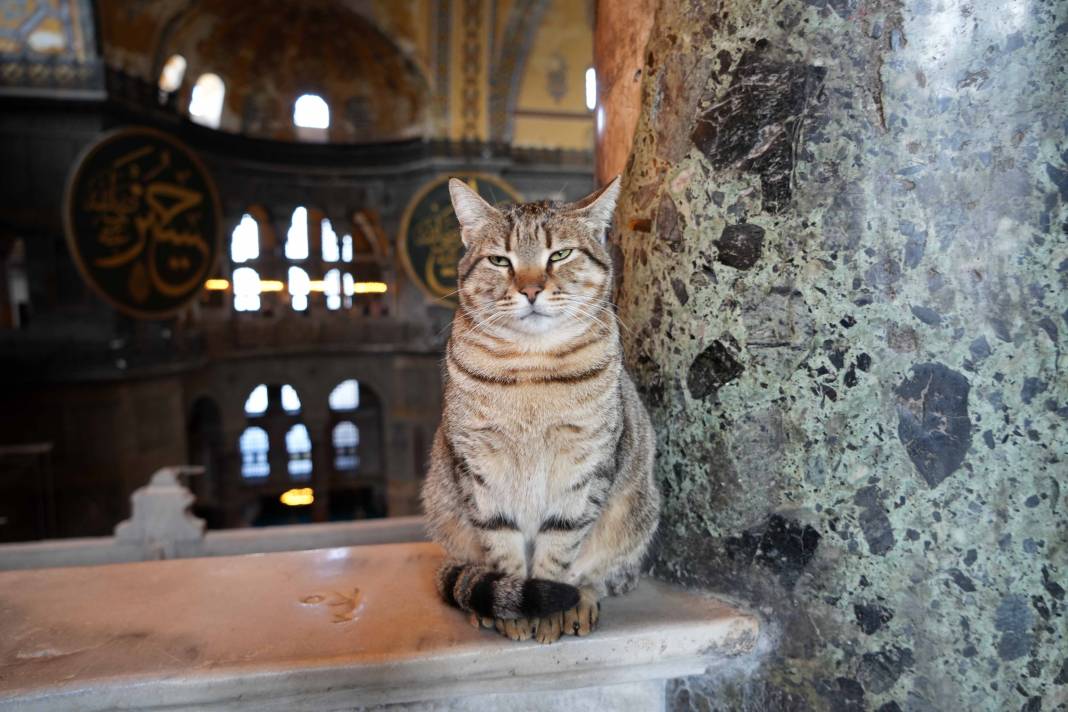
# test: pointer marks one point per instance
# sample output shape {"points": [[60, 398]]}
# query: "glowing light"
{"points": [[206, 104], [316, 285], [297, 497], [216, 285], [272, 285], [591, 88], [311, 112], [366, 288], [173, 73]]}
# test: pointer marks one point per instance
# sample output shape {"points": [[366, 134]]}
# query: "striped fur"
{"points": [[540, 479]]}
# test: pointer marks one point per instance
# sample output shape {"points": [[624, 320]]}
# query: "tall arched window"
{"points": [[298, 447], [299, 288], [297, 237], [246, 289], [245, 240], [255, 448], [332, 288], [170, 78], [331, 250], [345, 438], [206, 104]]}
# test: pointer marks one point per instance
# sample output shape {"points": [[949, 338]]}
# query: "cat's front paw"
{"points": [[515, 628], [582, 619]]}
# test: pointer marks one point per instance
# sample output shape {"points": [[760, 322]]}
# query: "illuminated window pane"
{"points": [[205, 107], [245, 240], [311, 111], [348, 288], [346, 439], [256, 403], [299, 288], [297, 237], [298, 446], [591, 88], [254, 447], [330, 245], [332, 289], [345, 396], [173, 73], [290, 399], [246, 289], [346, 248]]}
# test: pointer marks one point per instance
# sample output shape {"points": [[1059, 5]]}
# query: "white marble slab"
{"points": [[315, 630]]}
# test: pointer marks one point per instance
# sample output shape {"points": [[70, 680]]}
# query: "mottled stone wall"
{"points": [[843, 237]]}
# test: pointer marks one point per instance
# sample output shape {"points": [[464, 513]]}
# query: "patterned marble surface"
{"points": [[843, 237]]}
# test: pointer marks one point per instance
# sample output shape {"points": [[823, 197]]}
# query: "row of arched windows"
{"points": [[338, 284], [255, 442], [310, 111]]}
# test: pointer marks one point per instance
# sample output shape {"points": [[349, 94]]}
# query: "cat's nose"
{"points": [[531, 291]]}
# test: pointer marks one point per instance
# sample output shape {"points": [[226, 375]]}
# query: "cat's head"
{"points": [[534, 268]]}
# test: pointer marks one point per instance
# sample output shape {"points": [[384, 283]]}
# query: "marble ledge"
{"points": [[340, 628]]}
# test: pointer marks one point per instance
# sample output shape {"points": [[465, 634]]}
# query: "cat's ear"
{"points": [[471, 210], [596, 208]]}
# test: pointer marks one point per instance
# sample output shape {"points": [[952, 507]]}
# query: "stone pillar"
{"points": [[843, 235]]}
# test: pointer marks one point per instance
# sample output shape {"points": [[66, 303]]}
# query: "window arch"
{"points": [[206, 103], [297, 237], [311, 111], [346, 439], [256, 403], [246, 289], [345, 396], [330, 245], [245, 240], [298, 447], [299, 288], [172, 74], [290, 399], [255, 448]]}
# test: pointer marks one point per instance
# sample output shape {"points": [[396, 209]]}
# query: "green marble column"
{"points": [[843, 238]]}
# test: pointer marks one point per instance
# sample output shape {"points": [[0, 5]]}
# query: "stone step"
{"points": [[329, 629]]}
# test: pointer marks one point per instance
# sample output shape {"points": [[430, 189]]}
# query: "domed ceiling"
{"points": [[270, 52]]}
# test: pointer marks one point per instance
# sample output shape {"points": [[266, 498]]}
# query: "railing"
{"points": [[162, 527]]}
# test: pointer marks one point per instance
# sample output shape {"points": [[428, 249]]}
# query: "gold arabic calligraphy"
{"points": [[147, 221]]}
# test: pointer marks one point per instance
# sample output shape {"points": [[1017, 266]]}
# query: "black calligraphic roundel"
{"points": [[142, 221], [429, 238]]}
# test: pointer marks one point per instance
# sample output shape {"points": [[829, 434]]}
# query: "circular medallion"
{"points": [[142, 221], [429, 237]]}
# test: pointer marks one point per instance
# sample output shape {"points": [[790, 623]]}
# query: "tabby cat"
{"points": [[540, 485]]}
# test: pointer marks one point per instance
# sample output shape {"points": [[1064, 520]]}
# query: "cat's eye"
{"points": [[559, 255], [499, 260]]}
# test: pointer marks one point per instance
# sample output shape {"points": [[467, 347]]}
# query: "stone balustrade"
{"points": [[342, 628]]}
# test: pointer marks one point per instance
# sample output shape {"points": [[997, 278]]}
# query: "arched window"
{"points": [[332, 288], [311, 111], [206, 104], [290, 399], [245, 240], [346, 438], [331, 251], [591, 88], [298, 446], [170, 78], [254, 447], [297, 237], [299, 288], [256, 403], [246, 289], [345, 396], [346, 248]]}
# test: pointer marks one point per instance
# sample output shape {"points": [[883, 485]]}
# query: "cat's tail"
{"points": [[476, 588]]}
